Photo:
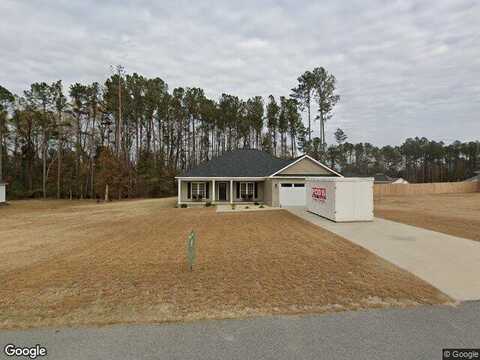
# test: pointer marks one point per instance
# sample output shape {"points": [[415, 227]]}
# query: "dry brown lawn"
{"points": [[453, 214], [79, 263]]}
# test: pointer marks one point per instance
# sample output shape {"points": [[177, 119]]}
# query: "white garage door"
{"points": [[292, 194]]}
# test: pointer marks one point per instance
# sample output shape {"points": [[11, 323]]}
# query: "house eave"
{"points": [[220, 178], [302, 176]]}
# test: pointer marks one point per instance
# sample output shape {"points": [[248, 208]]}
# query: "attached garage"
{"points": [[288, 185], [292, 194]]}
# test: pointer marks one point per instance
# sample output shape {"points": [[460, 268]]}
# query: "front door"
{"points": [[222, 191]]}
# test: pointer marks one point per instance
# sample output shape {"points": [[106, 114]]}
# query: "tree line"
{"points": [[417, 160], [131, 135]]}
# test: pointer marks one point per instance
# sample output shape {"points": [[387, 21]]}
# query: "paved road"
{"points": [[452, 264], [416, 333]]}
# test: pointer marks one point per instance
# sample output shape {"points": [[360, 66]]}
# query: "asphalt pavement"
{"points": [[414, 333]]}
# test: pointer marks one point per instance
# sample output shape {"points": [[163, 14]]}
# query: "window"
{"points": [[298, 185], [198, 190], [247, 189], [286, 185]]}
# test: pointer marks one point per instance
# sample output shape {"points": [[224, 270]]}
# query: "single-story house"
{"points": [[250, 176], [3, 191]]}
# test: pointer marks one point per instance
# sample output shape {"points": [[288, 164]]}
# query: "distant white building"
{"points": [[3, 197], [385, 179], [381, 178], [400, 181], [476, 177]]}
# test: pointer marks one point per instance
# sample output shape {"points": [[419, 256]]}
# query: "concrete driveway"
{"points": [[451, 264]]}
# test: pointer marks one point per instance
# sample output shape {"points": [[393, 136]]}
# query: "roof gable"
{"points": [[239, 163], [306, 166]]}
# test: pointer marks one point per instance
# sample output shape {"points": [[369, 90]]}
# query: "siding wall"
{"points": [[306, 167], [267, 193]]}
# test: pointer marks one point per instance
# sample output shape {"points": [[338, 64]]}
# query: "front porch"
{"points": [[220, 191]]}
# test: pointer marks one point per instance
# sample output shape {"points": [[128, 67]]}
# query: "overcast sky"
{"points": [[403, 68]]}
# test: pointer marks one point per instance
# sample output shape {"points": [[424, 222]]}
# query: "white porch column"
{"points": [[179, 191], [213, 191], [231, 191]]}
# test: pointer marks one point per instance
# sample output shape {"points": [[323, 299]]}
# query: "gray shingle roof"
{"points": [[239, 163]]}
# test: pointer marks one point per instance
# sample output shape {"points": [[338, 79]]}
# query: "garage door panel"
{"points": [[292, 194]]}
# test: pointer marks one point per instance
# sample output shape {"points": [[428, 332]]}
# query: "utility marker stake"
{"points": [[191, 249]]}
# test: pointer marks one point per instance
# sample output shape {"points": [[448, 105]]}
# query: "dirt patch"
{"points": [[453, 214], [77, 264]]}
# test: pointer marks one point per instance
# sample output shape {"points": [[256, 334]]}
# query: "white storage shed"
{"points": [[340, 199], [3, 197]]}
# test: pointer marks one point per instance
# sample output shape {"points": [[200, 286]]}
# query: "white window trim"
{"points": [[246, 188], [197, 192]]}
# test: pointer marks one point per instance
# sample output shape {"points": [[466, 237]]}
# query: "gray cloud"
{"points": [[404, 68]]}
